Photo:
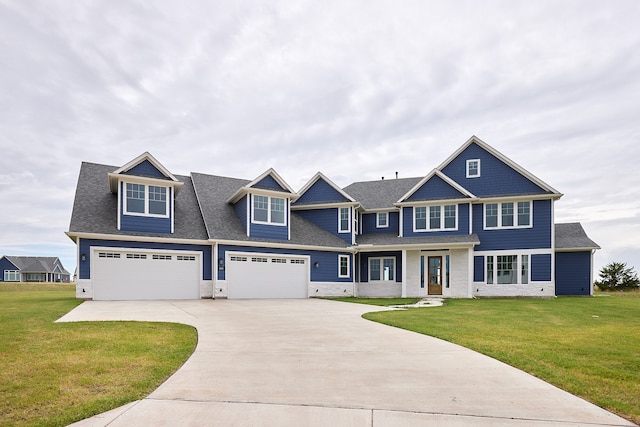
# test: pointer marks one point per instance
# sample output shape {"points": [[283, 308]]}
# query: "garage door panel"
{"points": [[267, 277], [135, 276]]}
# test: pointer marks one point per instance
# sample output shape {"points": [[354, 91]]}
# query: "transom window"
{"points": [[270, 210], [440, 218], [382, 269], [344, 220], [382, 219], [507, 269], [473, 168], [508, 215], [343, 266], [11, 276], [144, 199]]}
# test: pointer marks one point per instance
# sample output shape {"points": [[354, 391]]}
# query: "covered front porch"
{"points": [[439, 266]]}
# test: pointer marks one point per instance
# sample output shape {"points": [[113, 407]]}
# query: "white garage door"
{"points": [[130, 275], [267, 276]]}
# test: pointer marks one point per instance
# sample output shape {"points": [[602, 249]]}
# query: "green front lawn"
{"points": [[54, 374], [587, 346]]}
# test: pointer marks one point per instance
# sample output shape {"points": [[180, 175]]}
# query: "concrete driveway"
{"points": [[318, 363]]}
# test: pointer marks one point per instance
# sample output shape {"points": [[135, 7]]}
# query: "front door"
{"points": [[435, 275]]}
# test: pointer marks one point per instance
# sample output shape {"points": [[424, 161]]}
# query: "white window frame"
{"points": [[518, 269], [469, 162], [382, 259], [348, 260], [12, 275], [516, 217], [269, 220], [146, 212], [384, 215], [340, 229], [428, 219]]}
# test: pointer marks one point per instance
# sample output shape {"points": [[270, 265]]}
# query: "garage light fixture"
{"points": [[316, 264], [83, 257]]}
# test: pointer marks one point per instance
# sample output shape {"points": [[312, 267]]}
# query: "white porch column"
{"points": [[470, 291], [404, 273]]}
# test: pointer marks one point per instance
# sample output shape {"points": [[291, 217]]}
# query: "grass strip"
{"points": [[53, 374], [589, 347]]}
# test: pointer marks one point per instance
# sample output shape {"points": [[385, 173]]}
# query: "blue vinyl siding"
{"points": [[241, 210], [364, 263], [269, 183], [478, 269], [84, 268], [326, 219], [435, 189], [145, 224], [496, 177], [266, 231], [541, 268], [573, 273], [463, 222], [369, 222], [145, 168], [5, 265], [321, 192], [537, 237], [327, 270]]}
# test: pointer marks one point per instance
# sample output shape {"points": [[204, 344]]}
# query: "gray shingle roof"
{"points": [[95, 207], [573, 236], [392, 239], [380, 194], [30, 264], [222, 221]]}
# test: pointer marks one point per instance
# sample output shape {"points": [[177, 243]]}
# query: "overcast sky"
{"points": [[355, 89]]}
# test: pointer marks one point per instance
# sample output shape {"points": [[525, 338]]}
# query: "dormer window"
{"points": [[473, 168], [269, 210], [150, 200]]}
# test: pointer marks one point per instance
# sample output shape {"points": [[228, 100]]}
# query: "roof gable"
{"points": [[436, 186], [145, 166], [321, 189], [32, 264], [268, 181], [499, 175]]}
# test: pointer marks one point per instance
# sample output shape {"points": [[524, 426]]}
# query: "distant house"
{"points": [[32, 269], [477, 225]]}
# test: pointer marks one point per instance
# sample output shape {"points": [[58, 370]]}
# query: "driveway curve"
{"points": [[318, 363]]}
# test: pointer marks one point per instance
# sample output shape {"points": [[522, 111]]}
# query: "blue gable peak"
{"points": [[436, 186], [321, 189]]}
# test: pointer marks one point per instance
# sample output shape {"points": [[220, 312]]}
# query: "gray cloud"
{"points": [[356, 89]]}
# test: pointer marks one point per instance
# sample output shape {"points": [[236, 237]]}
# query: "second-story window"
{"points": [[507, 215], [344, 220], [270, 210], [141, 199], [440, 217], [382, 220]]}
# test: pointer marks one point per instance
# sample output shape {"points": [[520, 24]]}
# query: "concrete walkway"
{"points": [[318, 363]]}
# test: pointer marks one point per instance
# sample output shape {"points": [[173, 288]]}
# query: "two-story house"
{"points": [[477, 225]]}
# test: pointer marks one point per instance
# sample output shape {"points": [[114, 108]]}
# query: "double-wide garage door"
{"points": [[267, 276], [148, 275]]}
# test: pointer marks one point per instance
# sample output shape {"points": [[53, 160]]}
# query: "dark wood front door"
{"points": [[435, 275]]}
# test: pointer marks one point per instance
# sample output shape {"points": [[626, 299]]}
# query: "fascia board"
{"points": [[519, 197], [436, 202], [115, 178], [474, 139], [275, 176], [584, 249], [438, 173], [414, 246], [276, 245], [125, 237], [332, 184], [325, 206], [146, 156]]}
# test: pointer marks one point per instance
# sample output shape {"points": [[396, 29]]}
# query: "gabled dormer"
{"points": [[435, 204], [146, 193], [263, 206], [486, 172], [325, 204]]}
